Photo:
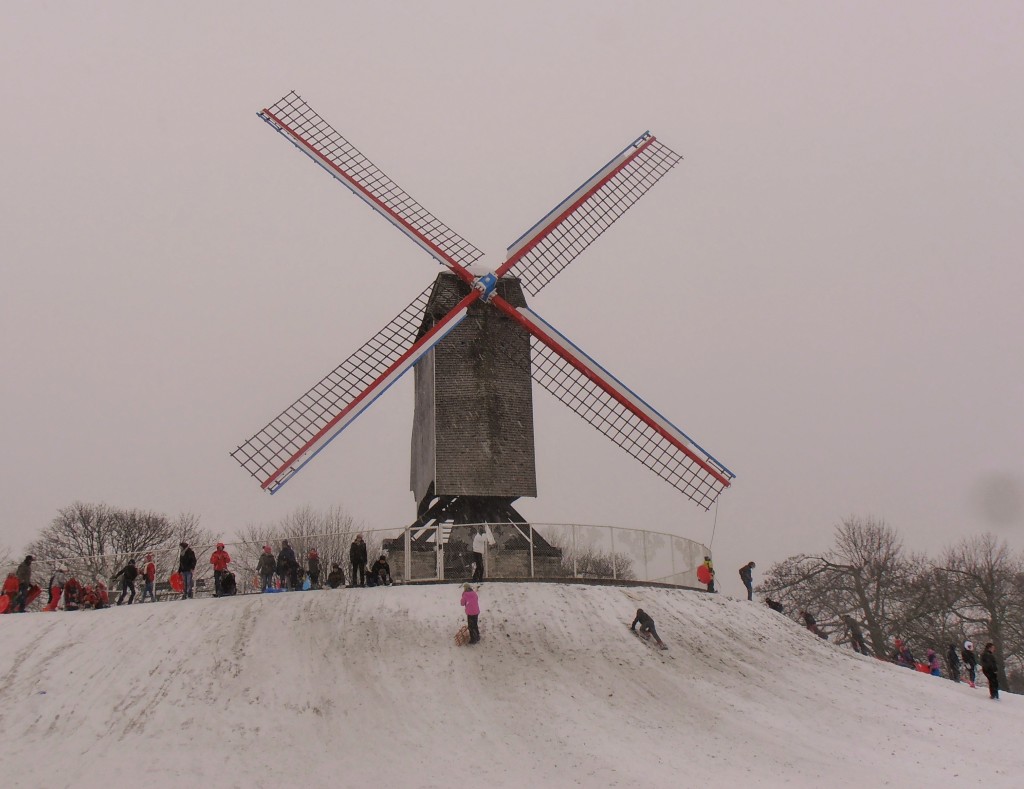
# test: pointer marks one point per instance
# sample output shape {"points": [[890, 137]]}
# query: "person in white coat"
{"points": [[479, 548]]}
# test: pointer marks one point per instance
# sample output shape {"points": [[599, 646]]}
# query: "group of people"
{"points": [[706, 576], [960, 660]]}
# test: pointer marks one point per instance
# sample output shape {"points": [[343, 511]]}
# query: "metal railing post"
{"points": [[408, 555], [615, 576], [531, 551], [575, 553]]}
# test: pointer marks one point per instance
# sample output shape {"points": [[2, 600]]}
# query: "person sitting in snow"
{"points": [[775, 605], [72, 594], [647, 628], [903, 656], [228, 587], [336, 577], [381, 570]]}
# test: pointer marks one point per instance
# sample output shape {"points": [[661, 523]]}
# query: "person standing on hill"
{"points": [[314, 568], [56, 586], [471, 603], [357, 558], [990, 668], [479, 548], [970, 662], [127, 574], [856, 636], [933, 664], [265, 567], [220, 561], [747, 576], [811, 623], [709, 573], [953, 661], [24, 576], [149, 579], [287, 566], [187, 567]]}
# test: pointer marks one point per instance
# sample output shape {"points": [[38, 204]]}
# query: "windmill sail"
{"points": [[603, 401], [543, 251], [297, 434], [311, 134]]}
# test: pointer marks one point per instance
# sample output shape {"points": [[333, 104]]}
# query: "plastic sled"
{"points": [[5, 602], [177, 581], [703, 574]]}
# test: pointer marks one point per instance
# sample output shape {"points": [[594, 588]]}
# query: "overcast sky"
{"points": [[825, 293]]}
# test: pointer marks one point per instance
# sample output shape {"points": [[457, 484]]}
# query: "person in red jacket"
{"points": [[149, 579], [72, 594], [12, 588], [220, 561]]}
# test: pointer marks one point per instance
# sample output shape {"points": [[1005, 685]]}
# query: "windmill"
{"points": [[475, 345]]}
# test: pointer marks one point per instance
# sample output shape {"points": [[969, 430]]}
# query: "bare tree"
{"points": [[865, 575], [989, 600], [330, 532], [94, 540]]}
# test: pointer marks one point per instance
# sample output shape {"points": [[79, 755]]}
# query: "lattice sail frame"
{"points": [[299, 433], [543, 251], [296, 435]]}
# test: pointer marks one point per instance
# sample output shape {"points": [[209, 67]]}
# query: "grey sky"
{"points": [[825, 293]]}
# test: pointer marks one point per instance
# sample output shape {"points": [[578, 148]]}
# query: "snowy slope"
{"points": [[364, 685]]}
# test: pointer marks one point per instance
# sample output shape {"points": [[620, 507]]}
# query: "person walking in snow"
{"points": [[149, 580], [187, 567], [933, 664], [856, 636], [220, 561], [127, 574], [287, 566], [953, 661], [747, 576], [811, 623], [970, 662], [357, 558], [471, 603], [647, 628], [266, 567], [990, 668]]}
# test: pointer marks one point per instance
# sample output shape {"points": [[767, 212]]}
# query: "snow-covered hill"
{"points": [[366, 687]]}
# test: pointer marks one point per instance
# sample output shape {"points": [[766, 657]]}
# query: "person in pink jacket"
{"points": [[472, 605]]}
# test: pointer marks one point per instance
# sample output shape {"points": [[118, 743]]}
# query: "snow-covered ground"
{"points": [[366, 687]]}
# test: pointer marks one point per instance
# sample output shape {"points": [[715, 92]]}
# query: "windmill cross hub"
{"points": [[476, 344]]}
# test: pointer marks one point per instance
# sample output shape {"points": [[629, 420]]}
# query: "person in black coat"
{"points": [[990, 668], [187, 566], [647, 628], [856, 636], [287, 565], [357, 558], [747, 576], [953, 661], [336, 577], [128, 574], [381, 570]]}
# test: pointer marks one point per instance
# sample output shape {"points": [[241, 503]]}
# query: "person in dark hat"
{"points": [[24, 576]]}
